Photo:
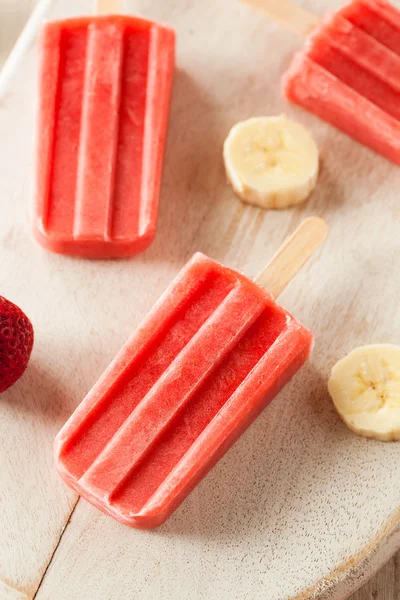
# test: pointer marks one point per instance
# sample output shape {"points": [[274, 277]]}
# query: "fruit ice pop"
{"points": [[349, 74], [105, 86], [211, 354]]}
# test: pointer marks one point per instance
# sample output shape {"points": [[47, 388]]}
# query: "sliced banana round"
{"points": [[271, 161], [365, 389]]}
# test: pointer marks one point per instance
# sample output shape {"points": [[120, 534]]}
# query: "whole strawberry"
{"points": [[16, 342]]}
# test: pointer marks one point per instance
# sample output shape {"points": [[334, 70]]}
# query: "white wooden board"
{"points": [[300, 506]]}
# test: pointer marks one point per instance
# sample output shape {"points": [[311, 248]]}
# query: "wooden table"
{"points": [[386, 584]]}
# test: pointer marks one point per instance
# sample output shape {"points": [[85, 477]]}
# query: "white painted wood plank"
{"points": [[298, 495], [9, 593], [284, 508]]}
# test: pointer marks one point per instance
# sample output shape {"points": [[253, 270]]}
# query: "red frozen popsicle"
{"points": [[105, 85], [211, 354], [349, 71]]}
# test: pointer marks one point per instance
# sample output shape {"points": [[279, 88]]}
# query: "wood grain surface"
{"points": [[52, 547]]}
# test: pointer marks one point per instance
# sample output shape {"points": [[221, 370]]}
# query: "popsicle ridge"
{"points": [[61, 114], [105, 86], [378, 18], [205, 365], [221, 431], [359, 61], [99, 130], [349, 74], [159, 85], [131, 135], [175, 325], [169, 395]]}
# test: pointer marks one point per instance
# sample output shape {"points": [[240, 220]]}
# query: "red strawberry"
{"points": [[16, 342]]}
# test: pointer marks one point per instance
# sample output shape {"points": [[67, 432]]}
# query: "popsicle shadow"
{"points": [[255, 480], [345, 159], [190, 162], [347, 168]]}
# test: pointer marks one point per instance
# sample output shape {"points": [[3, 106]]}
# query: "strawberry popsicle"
{"points": [[105, 86], [207, 359], [349, 74]]}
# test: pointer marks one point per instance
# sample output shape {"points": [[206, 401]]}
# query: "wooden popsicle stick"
{"points": [[107, 7], [292, 255], [287, 14]]}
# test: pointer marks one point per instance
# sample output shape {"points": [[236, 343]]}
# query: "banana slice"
{"points": [[271, 162], [365, 389]]}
